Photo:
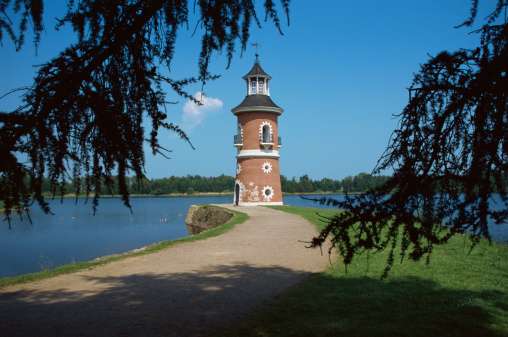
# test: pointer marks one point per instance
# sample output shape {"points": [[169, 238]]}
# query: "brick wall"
{"points": [[255, 175], [251, 123]]}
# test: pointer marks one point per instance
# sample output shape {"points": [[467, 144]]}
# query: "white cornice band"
{"points": [[258, 153], [237, 111]]}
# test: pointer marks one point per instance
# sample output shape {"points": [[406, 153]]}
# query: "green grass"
{"points": [[71, 268], [456, 295]]}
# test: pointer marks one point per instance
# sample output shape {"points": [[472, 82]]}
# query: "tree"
{"points": [[347, 184], [305, 184], [82, 117], [449, 154]]}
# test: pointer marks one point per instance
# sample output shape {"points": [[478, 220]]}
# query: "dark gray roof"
{"points": [[257, 71], [259, 100]]}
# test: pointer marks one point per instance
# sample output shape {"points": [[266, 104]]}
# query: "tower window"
{"points": [[253, 88], [260, 87], [266, 134]]}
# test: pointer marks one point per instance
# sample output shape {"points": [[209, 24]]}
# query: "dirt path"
{"points": [[185, 290]]}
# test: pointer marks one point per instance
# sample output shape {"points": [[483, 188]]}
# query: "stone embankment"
{"points": [[203, 218]]}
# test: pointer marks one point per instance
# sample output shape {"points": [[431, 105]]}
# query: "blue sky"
{"points": [[340, 72]]}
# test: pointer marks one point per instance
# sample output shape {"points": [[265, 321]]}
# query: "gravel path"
{"points": [[186, 290]]}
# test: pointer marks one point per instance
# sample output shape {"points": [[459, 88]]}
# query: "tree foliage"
{"points": [[151, 187], [83, 115], [360, 183], [449, 154]]}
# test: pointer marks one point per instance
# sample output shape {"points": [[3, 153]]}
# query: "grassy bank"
{"points": [[67, 269], [456, 295]]}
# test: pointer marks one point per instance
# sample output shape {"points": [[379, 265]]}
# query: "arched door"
{"points": [[237, 194]]}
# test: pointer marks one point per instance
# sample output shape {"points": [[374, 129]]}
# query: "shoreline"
{"points": [[175, 195], [155, 247], [196, 194]]}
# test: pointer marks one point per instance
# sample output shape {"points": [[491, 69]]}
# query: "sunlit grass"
{"points": [[455, 295], [73, 267]]}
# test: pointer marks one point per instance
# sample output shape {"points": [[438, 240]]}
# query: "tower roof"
{"points": [[257, 102], [257, 71]]}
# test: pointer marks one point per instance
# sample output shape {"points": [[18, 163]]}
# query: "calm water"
{"points": [[73, 234]]}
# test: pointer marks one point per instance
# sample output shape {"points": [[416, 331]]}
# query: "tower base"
{"points": [[279, 203]]}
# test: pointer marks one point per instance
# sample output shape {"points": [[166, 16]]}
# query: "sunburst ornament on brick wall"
{"points": [[267, 167], [268, 193]]}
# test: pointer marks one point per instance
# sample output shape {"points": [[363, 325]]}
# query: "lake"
{"points": [[73, 234]]}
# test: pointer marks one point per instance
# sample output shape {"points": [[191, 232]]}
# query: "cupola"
{"points": [[257, 80], [258, 92]]}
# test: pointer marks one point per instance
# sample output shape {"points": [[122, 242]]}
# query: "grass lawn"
{"points": [[456, 295]]}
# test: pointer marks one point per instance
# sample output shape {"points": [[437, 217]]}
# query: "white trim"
{"points": [[263, 124], [257, 76], [236, 111], [278, 203], [238, 182], [258, 153]]}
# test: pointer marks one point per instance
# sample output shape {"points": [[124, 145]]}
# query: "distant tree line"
{"points": [[359, 183], [197, 184], [188, 184]]}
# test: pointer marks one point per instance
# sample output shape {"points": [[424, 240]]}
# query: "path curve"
{"points": [[185, 290]]}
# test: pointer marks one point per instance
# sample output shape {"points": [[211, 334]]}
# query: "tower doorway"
{"points": [[237, 194]]}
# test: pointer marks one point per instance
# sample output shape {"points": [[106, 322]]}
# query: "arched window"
{"points": [[253, 88], [266, 134], [261, 87]]}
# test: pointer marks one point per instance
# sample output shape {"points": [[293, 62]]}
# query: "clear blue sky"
{"points": [[340, 72]]}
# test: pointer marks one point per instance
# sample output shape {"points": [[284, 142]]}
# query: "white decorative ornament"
{"points": [[267, 193], [242, 187], [263, 124], [267, 167], [238, 168]]}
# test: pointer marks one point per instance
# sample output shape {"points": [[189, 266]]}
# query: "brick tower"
{"points": [[257, 141]]}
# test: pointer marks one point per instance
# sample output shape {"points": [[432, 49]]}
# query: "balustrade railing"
{"points": [[238, 139], [266, 138], [263, 139]]}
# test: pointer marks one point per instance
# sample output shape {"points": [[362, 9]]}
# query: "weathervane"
{"points": [[256, 45]]}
